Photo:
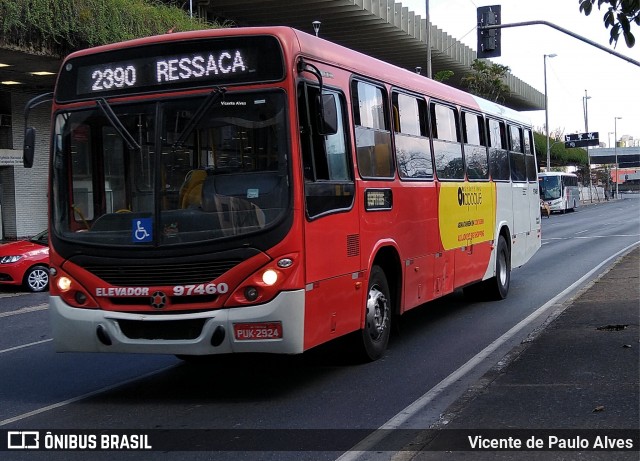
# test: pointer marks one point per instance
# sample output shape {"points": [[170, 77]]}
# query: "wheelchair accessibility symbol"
{"points": [[142, 230]]}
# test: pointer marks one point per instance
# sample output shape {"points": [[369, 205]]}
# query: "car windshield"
{"points": [[550, 187], [42, 238], [173, 172]]}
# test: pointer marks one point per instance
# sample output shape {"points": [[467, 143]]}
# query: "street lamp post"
{"points": [[546, 109], [615, 145], [586, 98]]}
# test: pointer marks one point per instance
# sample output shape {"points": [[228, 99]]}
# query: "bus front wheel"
{"points": [[374, 336]]}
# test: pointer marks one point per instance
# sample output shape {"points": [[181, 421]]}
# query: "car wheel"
{"points": [[37, 278]]}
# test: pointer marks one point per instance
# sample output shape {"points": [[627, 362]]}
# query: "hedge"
{"points": [[57, 27]]}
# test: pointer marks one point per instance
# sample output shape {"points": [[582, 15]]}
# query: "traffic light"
{"points": [[488, 40]]}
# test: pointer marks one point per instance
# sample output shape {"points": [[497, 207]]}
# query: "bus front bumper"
{"points": [[201, 333]]}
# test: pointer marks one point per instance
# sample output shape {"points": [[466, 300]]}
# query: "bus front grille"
{"points": [[151, 274]]}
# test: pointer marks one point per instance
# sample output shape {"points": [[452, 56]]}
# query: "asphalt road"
{"points": [[439, 350]]}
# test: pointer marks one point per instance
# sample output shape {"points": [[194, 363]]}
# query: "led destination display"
{"points": [[174, 65]]}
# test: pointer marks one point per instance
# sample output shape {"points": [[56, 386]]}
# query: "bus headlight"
{"points": [[265, 283], [64, 284], [70, 291], [270, 277]]}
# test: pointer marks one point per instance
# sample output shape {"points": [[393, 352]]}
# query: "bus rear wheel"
{"points": [[374, 336], [498, 287]]}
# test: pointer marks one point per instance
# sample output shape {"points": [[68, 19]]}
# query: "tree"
{"points": [[487, 80], [443, 75], [620, 15], [560, 155]]}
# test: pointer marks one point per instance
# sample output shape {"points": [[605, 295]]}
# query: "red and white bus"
{"points": [[265, 190]]}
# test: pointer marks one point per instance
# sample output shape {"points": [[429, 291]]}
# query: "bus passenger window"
{"points": [[475, 150], [373, 137], [413, 150], [498, 155], [447, 148], [530, 157], [516, 155]]}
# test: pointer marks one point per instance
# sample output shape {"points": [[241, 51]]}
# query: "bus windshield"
{"points": [[550, 187], [170, 172]]}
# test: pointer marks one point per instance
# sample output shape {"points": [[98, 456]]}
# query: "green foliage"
{"points": [[487, 80], [619, 15], [443, 75], [560, 156], [58, 27]]}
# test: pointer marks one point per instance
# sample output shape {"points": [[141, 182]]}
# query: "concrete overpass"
{"points": [[628, 157], [384, 29]]}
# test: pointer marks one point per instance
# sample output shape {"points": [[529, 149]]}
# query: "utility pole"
{"points": [[429, 71], [546, 109]]}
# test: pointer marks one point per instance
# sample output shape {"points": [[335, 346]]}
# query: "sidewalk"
{"points": [[580, 375]]}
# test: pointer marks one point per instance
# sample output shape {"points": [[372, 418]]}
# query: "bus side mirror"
{"points": [[28, 151], [328, 115], [29, 147]]}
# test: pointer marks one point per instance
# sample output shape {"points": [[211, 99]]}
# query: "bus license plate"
{"points": [[257, 331]]}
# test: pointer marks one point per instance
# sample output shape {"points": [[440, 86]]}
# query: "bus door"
{"points": [[534, 191], [520, 195], [332, 240]]}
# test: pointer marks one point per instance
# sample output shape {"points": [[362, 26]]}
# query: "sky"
{"points": [[611, 83]]}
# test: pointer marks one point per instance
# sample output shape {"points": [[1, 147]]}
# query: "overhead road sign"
{"points": [[581, 139]]}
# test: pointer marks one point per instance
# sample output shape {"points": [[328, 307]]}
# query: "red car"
{"points": [[26, 262]]}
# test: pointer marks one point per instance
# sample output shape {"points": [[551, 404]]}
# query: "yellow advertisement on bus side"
{"points": [[466, 213]]}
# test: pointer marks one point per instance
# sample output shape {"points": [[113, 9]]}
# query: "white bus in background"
{"points": [[559, 190]]}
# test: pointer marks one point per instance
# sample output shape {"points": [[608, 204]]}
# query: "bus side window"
{"points": [[498, 155], [447, 148], [373, 136], [516, 155], [413, 150], [530, 157], [329, 184], [475, 150]]}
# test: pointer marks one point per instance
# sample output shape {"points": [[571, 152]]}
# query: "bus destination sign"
{"points": [[173, 65], [161, 70]]}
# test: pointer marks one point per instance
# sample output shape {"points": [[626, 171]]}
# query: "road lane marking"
{"points": [[593, 237], [25, 345], [25, 310], [13, 295], [63, 403], [366, 445]]}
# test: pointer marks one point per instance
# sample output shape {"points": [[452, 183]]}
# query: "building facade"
{"points": [[23, 198]]}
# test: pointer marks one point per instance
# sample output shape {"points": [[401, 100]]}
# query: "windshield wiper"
{"points": [[211, 99], [117, 124]]}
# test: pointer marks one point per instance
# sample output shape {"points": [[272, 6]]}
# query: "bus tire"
{"points": [[374, 336], [497, 287]]}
